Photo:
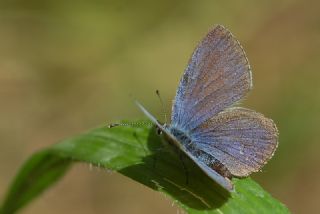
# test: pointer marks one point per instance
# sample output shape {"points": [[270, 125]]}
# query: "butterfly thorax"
{"points": [[181, 136], [185, 140]]}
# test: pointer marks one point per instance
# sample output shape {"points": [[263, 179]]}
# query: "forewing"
{"points": [[148, 114], [241, 139], [218, 75], [161, 127]]}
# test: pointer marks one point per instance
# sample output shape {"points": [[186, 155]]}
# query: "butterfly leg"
{"points": [[156, 155], [155, 159], [181, 157]]}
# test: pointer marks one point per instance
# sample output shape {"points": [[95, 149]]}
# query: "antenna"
{"points": [[162, 106], [113, 125]]}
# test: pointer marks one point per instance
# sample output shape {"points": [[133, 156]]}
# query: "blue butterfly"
{"points": [[224, 141]]}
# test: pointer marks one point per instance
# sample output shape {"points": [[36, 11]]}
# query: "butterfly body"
{"points": [[224, 141], [184, 142]]}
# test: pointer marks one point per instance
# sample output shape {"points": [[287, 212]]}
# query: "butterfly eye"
{"points": [[159, 131]]}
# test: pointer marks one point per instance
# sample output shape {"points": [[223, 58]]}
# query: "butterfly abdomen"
{"points": [[210, 161]]}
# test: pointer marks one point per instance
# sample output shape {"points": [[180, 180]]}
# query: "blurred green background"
{"points": [[68, 66]]}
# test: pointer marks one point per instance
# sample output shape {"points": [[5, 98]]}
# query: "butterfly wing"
{"points": [[219, 179], [217, 76], [148, 114], [161, 127], [222, 181], [241, 139]]}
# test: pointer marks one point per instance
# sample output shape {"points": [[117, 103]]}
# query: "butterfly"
{"points": [[223, 140]]}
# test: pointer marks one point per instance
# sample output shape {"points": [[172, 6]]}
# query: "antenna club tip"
{"points": [[113, 125]]}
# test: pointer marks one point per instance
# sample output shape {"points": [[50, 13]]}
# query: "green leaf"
{"points": [[137, 152]]}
